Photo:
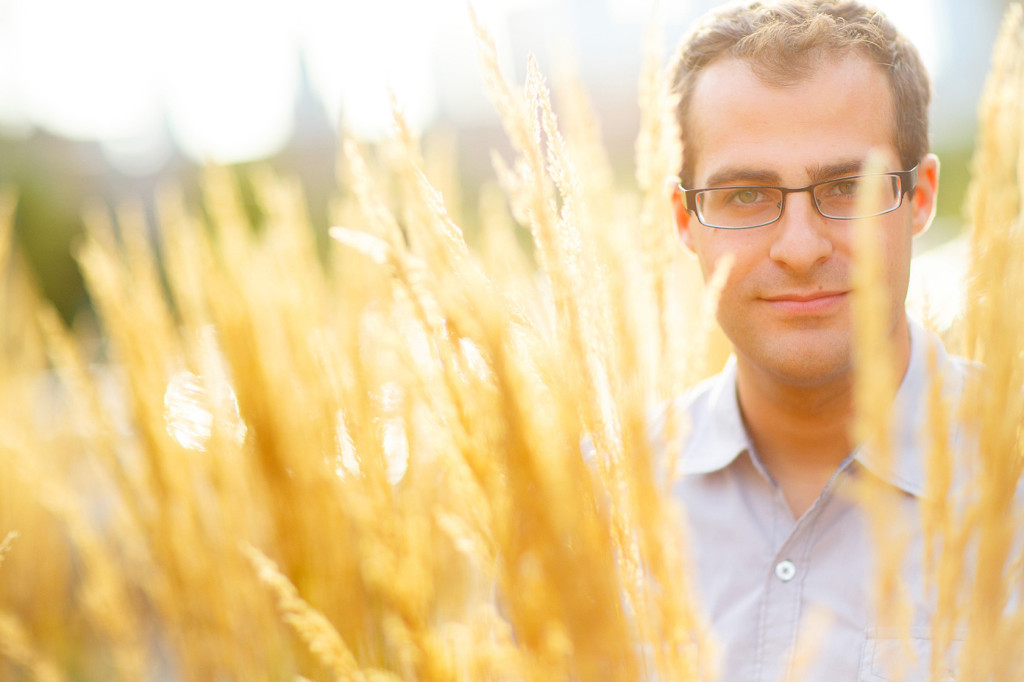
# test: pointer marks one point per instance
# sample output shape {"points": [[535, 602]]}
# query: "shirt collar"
{"points": [[718, 435], [910, 412]]}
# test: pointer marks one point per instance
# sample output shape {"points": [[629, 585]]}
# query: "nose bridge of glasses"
{"points": [[812, 197]]}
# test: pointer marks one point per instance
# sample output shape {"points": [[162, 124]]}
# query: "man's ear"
{"points": [[682, 218], [926, 193]]}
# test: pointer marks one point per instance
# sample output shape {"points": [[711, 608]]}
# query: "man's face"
{"points": [[786, 304]]}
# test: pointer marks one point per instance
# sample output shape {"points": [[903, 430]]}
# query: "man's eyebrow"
{"points": [[834, 170], [740, 176], [816, 173]]}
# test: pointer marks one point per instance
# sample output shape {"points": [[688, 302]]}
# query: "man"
{"points": [[781, 109]]}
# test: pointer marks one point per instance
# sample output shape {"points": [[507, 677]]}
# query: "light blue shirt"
{"points": [[771, 585]]}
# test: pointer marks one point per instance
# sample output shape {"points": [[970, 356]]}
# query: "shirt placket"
{"points": [[782, 605]]}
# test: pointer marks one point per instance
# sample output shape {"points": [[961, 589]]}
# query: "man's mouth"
{"points": [[807, 302]]}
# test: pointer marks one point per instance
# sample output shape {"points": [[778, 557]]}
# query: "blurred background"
{"points": [[103, 102]]}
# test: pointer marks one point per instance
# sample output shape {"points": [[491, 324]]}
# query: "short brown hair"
{"points": [[785, 43]]}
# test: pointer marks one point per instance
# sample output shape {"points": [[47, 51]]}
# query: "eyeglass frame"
{"points": [[907, 178]]}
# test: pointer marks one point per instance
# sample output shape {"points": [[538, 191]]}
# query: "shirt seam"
{"points": [[766, 599], [805, 563]]}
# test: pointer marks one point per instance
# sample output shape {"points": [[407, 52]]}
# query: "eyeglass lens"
{"points": [[844, 198]]}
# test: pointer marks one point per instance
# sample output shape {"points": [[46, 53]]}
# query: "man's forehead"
{"points": [[781, 69], [815, 171], [727, 73], [827, 122]]}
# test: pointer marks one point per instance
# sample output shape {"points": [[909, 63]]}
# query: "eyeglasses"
{"points": [[848, 198]]}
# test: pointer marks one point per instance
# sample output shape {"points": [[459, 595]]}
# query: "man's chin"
{"points": [[815, 373], [804, 359]]}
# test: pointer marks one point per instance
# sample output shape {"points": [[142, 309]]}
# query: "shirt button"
{"points": [[785, 570]]}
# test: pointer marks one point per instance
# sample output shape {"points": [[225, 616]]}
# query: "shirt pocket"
{"points": [[886, 653]]}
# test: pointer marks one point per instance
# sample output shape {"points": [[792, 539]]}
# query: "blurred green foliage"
{"points": [[56, 179]]}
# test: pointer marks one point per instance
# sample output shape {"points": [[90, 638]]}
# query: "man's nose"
{"points": [[801, 238]]}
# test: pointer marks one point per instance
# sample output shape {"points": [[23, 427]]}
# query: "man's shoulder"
{"points": [[700, 426], [691, 405], [931, 358]]}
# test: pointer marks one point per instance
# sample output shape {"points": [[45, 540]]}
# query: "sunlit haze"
{"points": [[218, 78]]}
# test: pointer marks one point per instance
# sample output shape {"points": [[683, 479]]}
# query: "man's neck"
{"points": [[798, 427], [802, 433]]}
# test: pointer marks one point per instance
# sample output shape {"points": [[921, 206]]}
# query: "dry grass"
{"points": [[372, 470], [972, 510]]}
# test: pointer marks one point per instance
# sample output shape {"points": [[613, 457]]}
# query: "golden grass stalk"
{"points": [[315, 630], [8, 203], [945, 536], [995, 336], [876, 379], [6, 545], [16, 646], [582, 131]]}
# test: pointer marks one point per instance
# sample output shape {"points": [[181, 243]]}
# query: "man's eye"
{"points": [[845, 188], [745, 196]]}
